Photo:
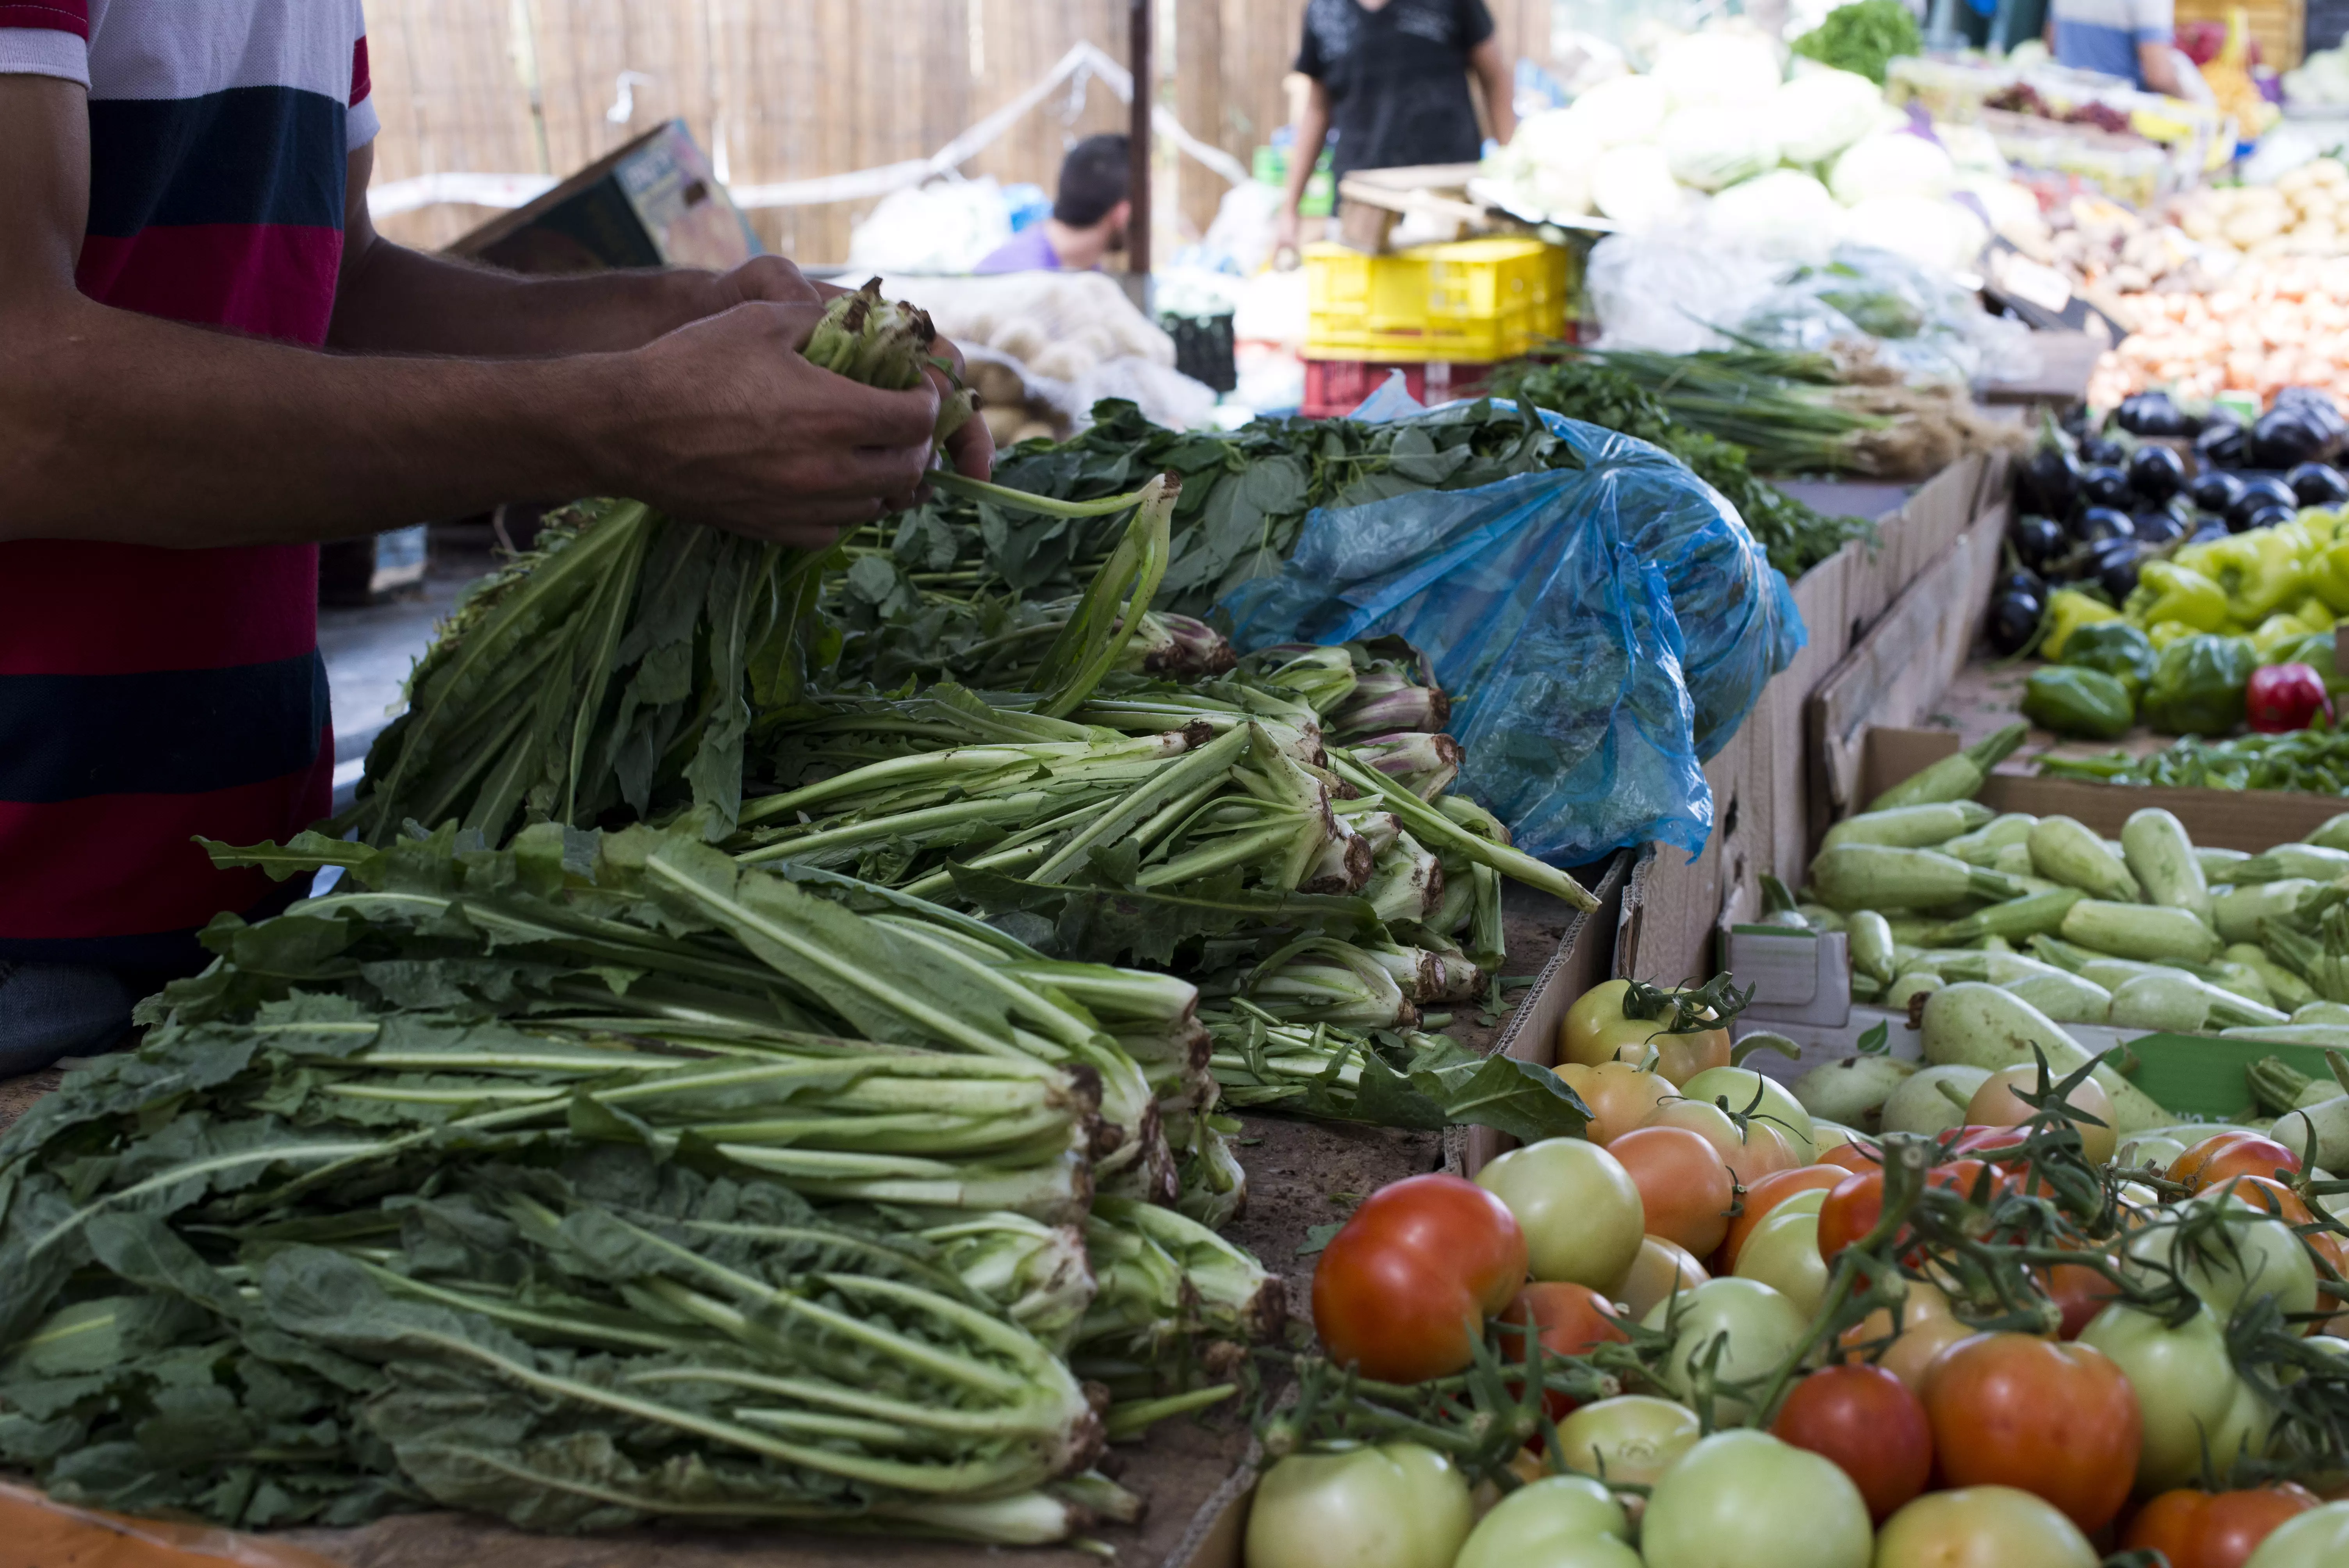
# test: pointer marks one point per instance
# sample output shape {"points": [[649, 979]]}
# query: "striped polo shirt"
{"points": [[2104, 34], [148, 695]]}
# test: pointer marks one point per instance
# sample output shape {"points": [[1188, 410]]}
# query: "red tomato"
{"points": [[1765, 1195], [1854, 1156], [1856, 1202], [1404, 1287], [2213, 1529], [2056, 1420], [1568, 1319], [2080, 1291], [1685, 1190], [1868, 1422], [2214, 1160]]}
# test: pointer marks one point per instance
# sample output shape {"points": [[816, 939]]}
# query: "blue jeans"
{"points": [[52, 1010]]}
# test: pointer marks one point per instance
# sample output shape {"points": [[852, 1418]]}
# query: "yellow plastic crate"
{"points": [[1475, 300]]}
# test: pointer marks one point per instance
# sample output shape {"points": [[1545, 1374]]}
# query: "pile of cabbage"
{"points": [[1716, 131]]}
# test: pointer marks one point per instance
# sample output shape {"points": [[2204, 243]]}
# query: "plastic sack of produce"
{"points": [[1602, 631]]}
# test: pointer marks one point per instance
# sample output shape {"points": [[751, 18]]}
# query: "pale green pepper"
{"points": [[2259, 572], [2167, 591], [2069, 610], [2328, 575]]}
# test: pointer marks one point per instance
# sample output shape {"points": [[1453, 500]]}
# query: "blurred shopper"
{"points": [[1390, 79], [2131, 39], [1089, 214]]}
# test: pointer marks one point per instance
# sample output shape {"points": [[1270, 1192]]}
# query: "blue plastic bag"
{"points": [[1601, 631]]}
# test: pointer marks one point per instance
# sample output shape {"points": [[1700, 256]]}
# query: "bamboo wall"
{"points": [[792, 89]]}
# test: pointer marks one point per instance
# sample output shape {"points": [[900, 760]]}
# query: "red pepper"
{"points": [[2285, 696]]}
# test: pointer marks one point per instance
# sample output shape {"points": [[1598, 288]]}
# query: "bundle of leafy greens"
{"points": [[1863, 38], [1796, 537], [598, 1179]]}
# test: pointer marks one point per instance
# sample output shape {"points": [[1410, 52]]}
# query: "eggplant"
{"points": [[2116, 572], [2048, 483], [2215, 492], [2268, 516], [2155, 473], [2037, 540], [2014, 619], [2104, 485], [2208, 529], [2223, 444], [2318, 484], [2316, 405], [2097, 523], [2260, 491], [2075, 420], [2097, 451], [2020, 581], [2287, 438], [2157, 525], [2155, 414]]}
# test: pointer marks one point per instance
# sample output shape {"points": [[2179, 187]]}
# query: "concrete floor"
{"points": [[368, 654]]}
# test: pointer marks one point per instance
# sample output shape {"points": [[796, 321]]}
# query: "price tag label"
{"points": [[2035, 284]]}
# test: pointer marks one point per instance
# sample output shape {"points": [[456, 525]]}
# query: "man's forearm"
{"points": [[1313, 131], [393, 300], [134, 429]]}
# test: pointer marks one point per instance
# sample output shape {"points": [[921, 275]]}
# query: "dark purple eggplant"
{"points": [[2104, 485], [2318, 484], [2157, 525], [2020, 581], [2100, 452], [2097, 523], [2155, 473], [2285, 439], [2207, 531], [2114, 564], [2215, 492], [2013, 618], [2223, 444], [2155, 414], [2048, 483], [2037, 540], [2260, 491], [2316, 405], [2269, 515]]}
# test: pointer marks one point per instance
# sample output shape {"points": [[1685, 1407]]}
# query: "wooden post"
{"points": [[1142, 24], [1199, 103]]}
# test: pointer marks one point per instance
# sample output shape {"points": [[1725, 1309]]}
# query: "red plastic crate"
{"points": [[1336, 388]]}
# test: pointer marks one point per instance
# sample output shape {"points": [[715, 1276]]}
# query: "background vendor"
{"points": [[2131, 39], [1090, 212], [1390, 77], [209, 362]]}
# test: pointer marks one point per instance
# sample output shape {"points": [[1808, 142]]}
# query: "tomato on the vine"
{"points": [[1866, 1420], [1620, 1096], [1756, 1149], [2079, 1293], [2056, 1420], [1856, 1155], [1927, 1328], [1661, 1268], [2226, 1154], [1999, 1103], [1404, 1286], [1597, 1029], [2214, 1529], [1686, 1190], [1856, 1202], [1765, 1196], [1982, 1527], [1567, 1319], [1580, 1208]]}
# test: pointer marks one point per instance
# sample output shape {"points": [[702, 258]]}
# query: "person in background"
{"points": [[1089, 216], [1390, 78], [2131, 39]]}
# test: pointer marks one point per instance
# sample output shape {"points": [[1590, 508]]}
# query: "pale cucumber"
{"points": [[2332, 835], [1983, 1027], [2063, 851], [2331, 1037], [1852, 1091], [2219, 865], [2240, 913], [2033, 915], [1868, 940], [1819, 917], [2313, 861], [2067, 999], [1973, 963], [1909, 826], [2138, 930], [2012, 861], [1907, 987], [1879, 876], [2161, 857], [2233, 974], [2284, 988], [2321, 1013], [1957, 778], [2326, 1123], [2177, 1002], [2113, 973], [1919, 1104], [1982, 846]]}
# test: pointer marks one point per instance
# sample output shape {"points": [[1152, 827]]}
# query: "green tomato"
{"points": [[1777, 1103], [1397, 1505], [1745, 1499], [2185, 1382], [2148, 1148], [1783, 1252], [1534, 1525], [1761, 1326], [2317, 1538], [2257, 1256], [1580, 1208], [1632, 1438], [1982, 1527]]}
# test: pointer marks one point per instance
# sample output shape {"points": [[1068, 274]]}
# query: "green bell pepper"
{"points": [[2328, 576], [2117, 648], [2167, 592], [2071, 699], [2197, 686], [2259, 572]]}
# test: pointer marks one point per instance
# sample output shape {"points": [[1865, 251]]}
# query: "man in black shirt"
{"points": [[1391, 78]]}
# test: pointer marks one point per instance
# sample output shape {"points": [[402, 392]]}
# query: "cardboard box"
{"points": [[655, 202], [2247, 819]]}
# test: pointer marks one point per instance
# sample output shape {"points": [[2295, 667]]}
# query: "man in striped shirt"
{"points": [[208, 363]]}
